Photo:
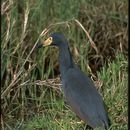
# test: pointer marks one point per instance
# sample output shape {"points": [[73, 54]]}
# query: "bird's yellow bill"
{"points": [[47, 42]]}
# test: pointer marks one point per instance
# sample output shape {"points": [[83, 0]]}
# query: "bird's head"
{"points": [[55, 39]]}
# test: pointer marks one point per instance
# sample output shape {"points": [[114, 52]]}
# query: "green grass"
{"points": [[29, 100]]}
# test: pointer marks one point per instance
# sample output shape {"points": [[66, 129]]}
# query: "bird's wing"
{"points": [[83, 97]]}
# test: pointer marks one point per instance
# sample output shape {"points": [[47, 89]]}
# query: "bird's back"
{"points": [[82, 96]]}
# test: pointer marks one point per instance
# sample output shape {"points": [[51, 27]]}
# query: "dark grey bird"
{"points": [[79, 90]]}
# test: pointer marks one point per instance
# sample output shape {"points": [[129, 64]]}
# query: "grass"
{"points": [[98, 44]]}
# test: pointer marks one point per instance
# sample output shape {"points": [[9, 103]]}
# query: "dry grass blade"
{"points": [[90, 39], [24, 32], [5, 7]]}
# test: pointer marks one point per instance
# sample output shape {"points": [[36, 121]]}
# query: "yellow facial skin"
{"points": [[48, 41]]}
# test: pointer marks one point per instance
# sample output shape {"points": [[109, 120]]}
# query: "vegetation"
{"points": [[97, 32]]}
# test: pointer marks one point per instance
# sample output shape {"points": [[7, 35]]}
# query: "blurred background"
{"points": [[31, 97]]}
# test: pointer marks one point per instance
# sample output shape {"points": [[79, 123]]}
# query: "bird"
{"points": [[79, 90]]}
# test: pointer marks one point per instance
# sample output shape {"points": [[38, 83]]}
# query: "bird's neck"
{"points": [[65, 59]]}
